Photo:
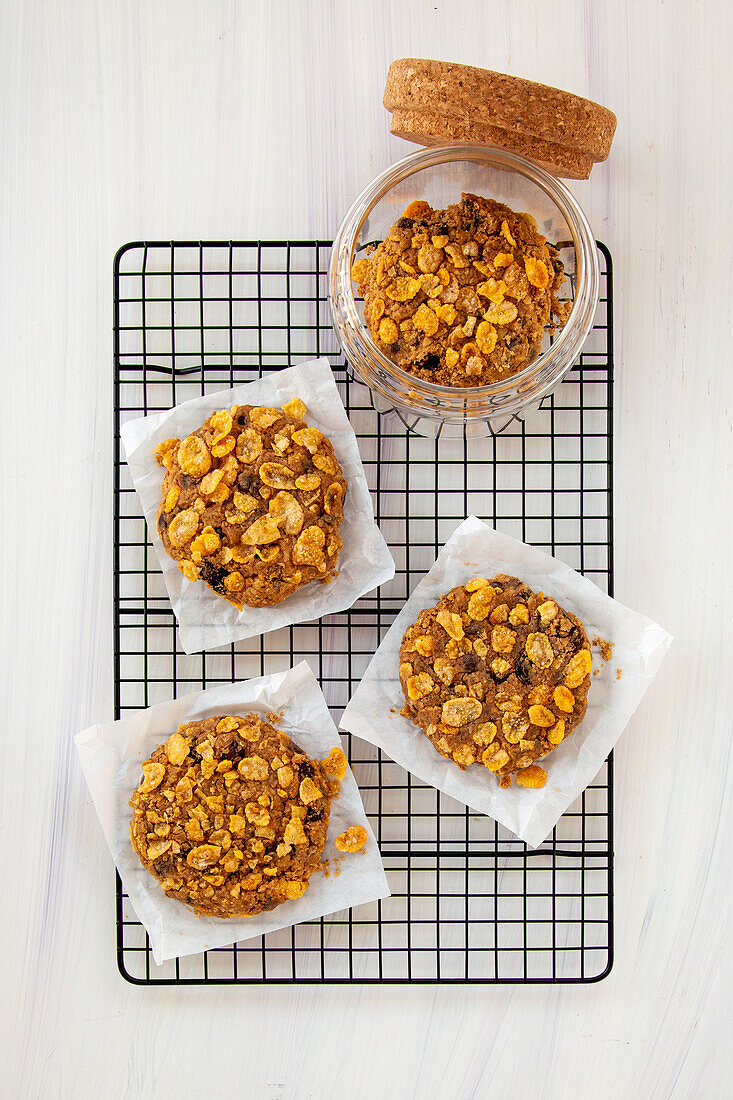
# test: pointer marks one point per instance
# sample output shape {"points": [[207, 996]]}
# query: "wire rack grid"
{"points": [[470, 903]]}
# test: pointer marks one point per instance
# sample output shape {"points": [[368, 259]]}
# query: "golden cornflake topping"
{"points": [[309, 791], [539, 650], [451, 623], [420, 686], [459, 712], [193, 456], [335, 763], [479, 604], [577, 668], [176, 748], [564, 699], [532, 776]]}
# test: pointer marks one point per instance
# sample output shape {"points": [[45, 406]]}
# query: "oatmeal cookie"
{"points": [[462, 296], [252, 503], [231, 816], [496, 674]]}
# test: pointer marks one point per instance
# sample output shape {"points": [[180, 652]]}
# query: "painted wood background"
{"points": [[176, 118]]}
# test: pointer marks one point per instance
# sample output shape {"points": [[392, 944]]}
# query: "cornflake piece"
{"points": [[533, 776], [423, 645], [444, 670], [183, 527], [539, 650], [388, 331], [309, 792], [459, 712], [263, 417], [193, 456], [210, 482], [486, 334], [502, 314], [557, 733], [494, 757], [176, 748], [503, 639], [249, 446], [205, 544], [262, 531], [310, 438], [335, 763], [332, 498], [253, 767], [153, 775], [158, 848], [352, 840], [541, 716], [325, 463], [164, 452], [577, 668], [419, 686], [564, 699], [537, 272], [479, 603], [358, 274], [485, 733], [308, 550], [172, 498], [205, 855], [464, 756], [519, 615], [287, 513], [295, 408], [451, 623], [276, 475], [476, 583]]}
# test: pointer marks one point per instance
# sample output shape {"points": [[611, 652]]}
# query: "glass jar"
{"points": [[439, 175]]}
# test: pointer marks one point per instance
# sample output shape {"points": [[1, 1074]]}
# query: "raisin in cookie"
{"points": [[496, 674], [252, 504], [231, 816], [462, 296]]}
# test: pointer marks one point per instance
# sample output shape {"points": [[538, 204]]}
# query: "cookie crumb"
{"points": [[605, 647]]}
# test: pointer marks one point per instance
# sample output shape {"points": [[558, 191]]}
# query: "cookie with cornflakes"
{"points": [[252, 503], [497, 675], [231, 815]]}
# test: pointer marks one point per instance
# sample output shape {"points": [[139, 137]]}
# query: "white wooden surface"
{"points": [[171, 118]]}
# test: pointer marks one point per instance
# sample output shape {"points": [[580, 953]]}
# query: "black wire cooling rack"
{"points": [[470, 903]]}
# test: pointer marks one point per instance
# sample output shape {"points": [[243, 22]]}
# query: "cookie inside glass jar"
{"points": [[496, 675], [462, 296], [252, 503]]}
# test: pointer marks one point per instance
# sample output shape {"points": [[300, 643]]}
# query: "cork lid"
{"points": [[441, 103]]}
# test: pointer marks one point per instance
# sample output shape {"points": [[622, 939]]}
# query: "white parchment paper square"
{"points": [[206, 620], [475, 549], [111, 756]]}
